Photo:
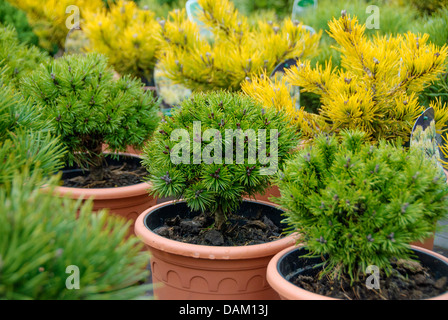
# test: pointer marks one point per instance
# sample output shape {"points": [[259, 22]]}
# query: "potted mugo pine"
{"points": [[90, 109], [357, 207], [212, 155]]}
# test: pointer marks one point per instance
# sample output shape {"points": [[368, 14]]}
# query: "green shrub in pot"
{"points": [[89, 108], [361, 204], [190, 157]]}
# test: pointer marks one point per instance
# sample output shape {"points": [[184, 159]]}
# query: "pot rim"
{"points": [[287, 289], [158, 242], [106, 193]]}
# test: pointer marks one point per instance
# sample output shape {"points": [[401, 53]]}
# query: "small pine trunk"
{"points": [[220, 218], [96, 162]]}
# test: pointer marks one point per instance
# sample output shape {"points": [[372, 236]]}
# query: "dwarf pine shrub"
{"points": [[215, 149], [375, 91], [236, 52], [89, 108], [361, 204], [127, 35]]}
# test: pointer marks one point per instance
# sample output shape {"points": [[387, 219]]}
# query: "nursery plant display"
{"points": [[17, 59], [127, 35], [357, 205], [377, 88], [212, 231], [237, 50], [89, 110], [212, 183]]}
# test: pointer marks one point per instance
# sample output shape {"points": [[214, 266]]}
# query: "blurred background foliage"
{"points": [[396, 16]]}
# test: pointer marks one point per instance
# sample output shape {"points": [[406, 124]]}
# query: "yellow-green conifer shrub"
{"points": [[236, 51], [275, 93], [48, 18], [127, 35], [376, 90]]}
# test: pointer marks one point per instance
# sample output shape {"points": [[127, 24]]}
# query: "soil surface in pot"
{"points": [[239, 231], [119, 172], [409, 280]]}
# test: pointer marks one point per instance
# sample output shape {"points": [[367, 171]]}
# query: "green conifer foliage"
{"points": [[17, 59], [47, 252], [89, 108], [361, 204], [216, 185], [26, 139]]}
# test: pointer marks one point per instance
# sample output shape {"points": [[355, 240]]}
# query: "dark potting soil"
{"points": [[122, 172], [239, 230], [409, 281]]}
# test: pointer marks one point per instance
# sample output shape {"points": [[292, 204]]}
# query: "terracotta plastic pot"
{"points": [[426, 244], [286, 264], [272, 191], [126, 202], [198, 272]]}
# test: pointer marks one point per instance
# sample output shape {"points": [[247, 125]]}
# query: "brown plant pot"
{"points": [[126, 202], [198, 272], [426, 244], [272, 191], [279, 269], [129, 150]]}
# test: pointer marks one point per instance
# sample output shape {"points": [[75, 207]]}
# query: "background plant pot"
{"points": [[194, 272], [272, 191], [288, 263], [126, 202], [426, 244], [130, 150]]}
